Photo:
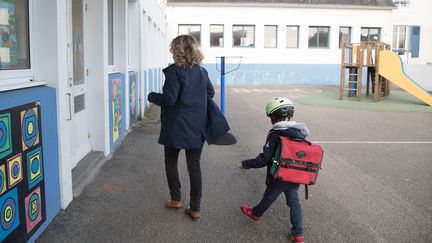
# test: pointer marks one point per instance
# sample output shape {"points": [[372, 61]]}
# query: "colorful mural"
{"points": [[22, 189], [117, 109], [133, 97]]}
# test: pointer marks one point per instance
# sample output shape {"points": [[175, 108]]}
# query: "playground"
{"points": [[381, 67], [375, 185]]}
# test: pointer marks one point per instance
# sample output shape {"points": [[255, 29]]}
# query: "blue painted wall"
{"points": [[155, 80], [50, 158], [160, 79], [145, 81], [150, 79], [258, 74]]}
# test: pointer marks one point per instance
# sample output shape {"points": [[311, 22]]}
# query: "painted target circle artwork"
{"points": [[8, 213], [33, 207], [3, 132], [15, 170], [29, 128], [2, 180], [35, 165]]}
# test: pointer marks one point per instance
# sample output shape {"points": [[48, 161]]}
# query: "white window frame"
{"points": [[276, 36], [223, 35], [10, 79], [318, 27], [349, 35], [396, 39], [243, 27], [189, 30], [111, 66], [369, 29], [297, 37]]}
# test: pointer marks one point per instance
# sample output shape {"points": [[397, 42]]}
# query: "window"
{"points": [[110, 33], [193, 30], [400, 39], [319, 36], [344, 35], [243, 35], [14, 35], [292, 36], [401, 3], [406, 39], [370, 34], [79, 103], [217, 35], [270, 36]]}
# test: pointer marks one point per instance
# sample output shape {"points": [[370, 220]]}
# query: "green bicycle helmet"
{"points": [[280, 108]]}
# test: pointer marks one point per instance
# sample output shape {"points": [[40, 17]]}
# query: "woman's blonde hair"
{"points": [[185, 51]]}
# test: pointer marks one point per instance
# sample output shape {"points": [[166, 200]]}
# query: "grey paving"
{"points": [[366, 192]]}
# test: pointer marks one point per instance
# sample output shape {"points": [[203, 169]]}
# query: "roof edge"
{"points": [[286, 5]]}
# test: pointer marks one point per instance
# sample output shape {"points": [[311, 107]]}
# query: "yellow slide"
{"points": [[390, 67]]}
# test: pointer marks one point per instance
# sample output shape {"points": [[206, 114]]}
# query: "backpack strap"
{"points": [[276, 160], [300, 140], [306, 192]]}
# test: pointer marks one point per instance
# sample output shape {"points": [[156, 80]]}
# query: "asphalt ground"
{"points": [[375, 185]]}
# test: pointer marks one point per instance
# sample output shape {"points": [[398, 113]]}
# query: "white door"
{"points": [[78, 116]]}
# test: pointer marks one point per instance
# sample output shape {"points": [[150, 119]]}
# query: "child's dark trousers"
{"points": [[274, 189]]}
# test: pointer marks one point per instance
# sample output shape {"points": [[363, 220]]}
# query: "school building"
{"points": [[296, 41], [73, 74]]}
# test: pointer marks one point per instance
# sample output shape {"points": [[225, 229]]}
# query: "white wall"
{"points": [[153, 47], [133, 35], [281, 16]]}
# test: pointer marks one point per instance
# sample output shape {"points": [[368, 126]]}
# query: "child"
{"points": [[279, 110]]}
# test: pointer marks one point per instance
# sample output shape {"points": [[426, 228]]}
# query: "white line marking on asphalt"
{"points": [[373, 142], [245, 90], [299, 90]]}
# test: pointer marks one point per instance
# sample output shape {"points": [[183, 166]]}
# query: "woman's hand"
{"points": [[152, 97], [241, 165]]}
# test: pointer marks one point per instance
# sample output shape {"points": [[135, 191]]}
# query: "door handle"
{"points": [[70, 106]]}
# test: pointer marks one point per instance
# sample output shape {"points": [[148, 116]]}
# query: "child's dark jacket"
{"points": [[272, 142]]}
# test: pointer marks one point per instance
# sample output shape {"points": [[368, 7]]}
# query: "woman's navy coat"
{"points": [[183, 106]]}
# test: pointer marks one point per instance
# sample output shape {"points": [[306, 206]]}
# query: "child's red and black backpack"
{"points": [[297, 161]]}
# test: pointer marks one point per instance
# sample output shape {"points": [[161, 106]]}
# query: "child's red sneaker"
{"points": [[297, 238], [248, 211]]}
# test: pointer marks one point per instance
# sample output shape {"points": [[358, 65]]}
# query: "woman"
{"points": [[184, 118]]}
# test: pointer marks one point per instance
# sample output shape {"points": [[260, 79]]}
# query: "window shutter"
{"points": [[415, 41]]}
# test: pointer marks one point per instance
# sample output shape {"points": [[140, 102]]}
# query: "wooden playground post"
{"points": [[377, 81], [360, 71], [342, 80], [364, 54]]}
